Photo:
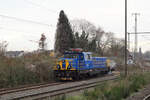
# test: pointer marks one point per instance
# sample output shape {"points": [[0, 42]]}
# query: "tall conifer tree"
{"points": [[64, 38]]}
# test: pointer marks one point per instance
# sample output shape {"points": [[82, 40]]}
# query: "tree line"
{"points": [[83, 34]]}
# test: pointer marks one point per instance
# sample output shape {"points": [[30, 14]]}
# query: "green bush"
{"points": [[116, 90]]}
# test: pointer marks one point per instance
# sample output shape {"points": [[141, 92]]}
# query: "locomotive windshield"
{"points": [[71, 56]]}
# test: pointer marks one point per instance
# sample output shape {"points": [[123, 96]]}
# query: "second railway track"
{"points": [[28, 87], [53, 89]]}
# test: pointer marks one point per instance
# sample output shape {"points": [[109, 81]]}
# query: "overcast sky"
{"points": [[43, 16]]}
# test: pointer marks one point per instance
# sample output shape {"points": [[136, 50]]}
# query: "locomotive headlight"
{"points": [[58, 66]]}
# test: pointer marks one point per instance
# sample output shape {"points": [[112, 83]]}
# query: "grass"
{"points": [[37, 68], [19, 71], [116, 90]]}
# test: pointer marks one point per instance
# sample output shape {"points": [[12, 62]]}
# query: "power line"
{"points": [[146, 38], [141, 33], [19, 31], [25, 20], [138, 33], [41, 6]]}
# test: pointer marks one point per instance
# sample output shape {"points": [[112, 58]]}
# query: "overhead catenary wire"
{"points": [[18, 31], [147, 39], [31, 21], [41, 6], [138, 33], [141, 33], [25, 20]]}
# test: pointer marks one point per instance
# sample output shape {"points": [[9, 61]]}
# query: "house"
{"points": [[14, 54]]}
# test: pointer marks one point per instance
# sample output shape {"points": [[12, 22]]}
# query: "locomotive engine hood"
{"points": [[65, 63]]}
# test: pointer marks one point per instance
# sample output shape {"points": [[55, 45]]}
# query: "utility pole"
{"points": [[126, 38], [136, 38], [129, 41]]}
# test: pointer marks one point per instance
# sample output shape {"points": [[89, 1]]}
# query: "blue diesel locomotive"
{"points": [[76, 63]]}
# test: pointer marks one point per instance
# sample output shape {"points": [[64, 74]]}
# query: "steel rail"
{"points": [[67, 90], [23, 88], [74, 89], [54, 89], [147, 97], [30, 86]]}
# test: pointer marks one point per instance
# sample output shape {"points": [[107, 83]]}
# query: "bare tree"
{"points": [[98, 40], [80, 25], [103, 41], [85, 33], [116, 46]]}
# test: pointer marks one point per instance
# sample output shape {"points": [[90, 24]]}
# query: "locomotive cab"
{"points": [[67, 67]]}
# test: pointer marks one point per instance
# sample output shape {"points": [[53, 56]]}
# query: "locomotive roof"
{"points": [[87, 52]]}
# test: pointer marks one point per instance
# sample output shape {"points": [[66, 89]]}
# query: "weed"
{"points": [[117, 90], [28, 69]]}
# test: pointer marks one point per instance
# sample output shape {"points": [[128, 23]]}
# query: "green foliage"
{"points": [[64, 38], [63, 97], [81, 41], [125, 87], [116, 90], [137, 81], [76, 98], [85, 93], [92, 46]]}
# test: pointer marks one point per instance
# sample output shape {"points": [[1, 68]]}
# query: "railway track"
{"points": [[147, 97], [9, 91], [73, 89], [24, 87], [52, 89]]}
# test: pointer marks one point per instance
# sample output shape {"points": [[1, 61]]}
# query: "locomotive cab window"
{"points": [[88, 57], [81, 57]]}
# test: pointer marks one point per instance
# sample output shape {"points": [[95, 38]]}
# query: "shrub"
{"points": [[117, 90], [19, 71]]}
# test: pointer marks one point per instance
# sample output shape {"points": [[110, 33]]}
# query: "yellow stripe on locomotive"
{"points": [[59, 66]]}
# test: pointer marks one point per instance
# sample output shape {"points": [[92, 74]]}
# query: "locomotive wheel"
{"points": [[108, 70], [55, 77], [77, 76]]}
